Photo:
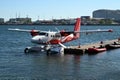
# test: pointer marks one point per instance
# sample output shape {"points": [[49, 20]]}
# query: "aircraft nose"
{"points": [[36, 39]]}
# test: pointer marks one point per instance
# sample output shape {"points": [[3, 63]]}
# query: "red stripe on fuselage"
{"points": [[54, 41]]}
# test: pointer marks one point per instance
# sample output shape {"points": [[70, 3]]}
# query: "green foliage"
{"points": [[105, 21]]}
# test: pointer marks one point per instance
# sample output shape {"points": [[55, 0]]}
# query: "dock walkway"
{"points": [[82, 48]]}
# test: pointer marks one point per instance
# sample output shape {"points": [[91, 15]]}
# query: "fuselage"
{"points": [[51, 38]]}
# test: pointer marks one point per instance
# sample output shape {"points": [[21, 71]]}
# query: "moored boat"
{"points": [[96, 50], [112, 46]]}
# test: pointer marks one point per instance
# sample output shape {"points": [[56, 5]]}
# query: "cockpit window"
{"points": [[42, 33], [46, 34]]}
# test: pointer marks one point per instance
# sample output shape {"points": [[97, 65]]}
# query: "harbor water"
{"points": [[15, 64]]}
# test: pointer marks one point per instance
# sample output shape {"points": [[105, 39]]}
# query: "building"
{"points": [[85, 20], [107, 14], [1, 20], [19, 21], [56, 22], [85, 17], [64, 21]]}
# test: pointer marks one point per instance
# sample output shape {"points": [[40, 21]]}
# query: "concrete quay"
{"points": [[82, 49]]}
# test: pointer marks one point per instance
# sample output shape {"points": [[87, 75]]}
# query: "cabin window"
{"points": [[52, 36], [46, 34], [57, 35]]}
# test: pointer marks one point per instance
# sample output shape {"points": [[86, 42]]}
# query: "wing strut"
{"points": [[62, 45]]}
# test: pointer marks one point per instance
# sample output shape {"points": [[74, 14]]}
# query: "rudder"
{"points": [[77, 28]]}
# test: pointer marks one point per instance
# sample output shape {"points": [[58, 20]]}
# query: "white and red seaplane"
{"points": [[50, 40]]}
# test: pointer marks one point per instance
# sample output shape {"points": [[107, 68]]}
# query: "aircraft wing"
{"points": [[98, 30], [87, 31], [21, 30], [25, 30], [67, 32]]}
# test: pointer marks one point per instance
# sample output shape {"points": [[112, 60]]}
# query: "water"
{"points": [[14, 64]]}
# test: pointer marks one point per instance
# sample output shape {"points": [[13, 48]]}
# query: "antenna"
{"points": [[27, 16], [19, 15], [16, 15], [38, 17]]}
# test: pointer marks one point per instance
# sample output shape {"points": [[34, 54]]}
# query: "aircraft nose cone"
{"points": [[33, 40], [36, 39]]}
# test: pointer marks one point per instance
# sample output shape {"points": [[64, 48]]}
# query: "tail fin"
{"points": [[77, 25], [77, 28]]}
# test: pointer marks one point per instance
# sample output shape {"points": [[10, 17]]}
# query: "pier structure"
{"points": [[82, 49]]}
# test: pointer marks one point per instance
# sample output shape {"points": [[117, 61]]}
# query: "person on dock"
{"points": [[119, 39], [101, 42], [79, 45]]}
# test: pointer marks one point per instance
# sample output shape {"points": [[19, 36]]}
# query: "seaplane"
{"points": [[53, 41]]}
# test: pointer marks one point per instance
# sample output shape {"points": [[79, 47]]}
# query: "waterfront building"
{"points": [[46, 22], [1, 20], [56, 22], [64, 21], [107, 14], [85, 20], [19, 21]]}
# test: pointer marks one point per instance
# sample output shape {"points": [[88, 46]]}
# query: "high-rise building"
{"points": [[107, 14]]}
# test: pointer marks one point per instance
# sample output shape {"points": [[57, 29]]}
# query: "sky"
{"points": [[53, 9]]}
